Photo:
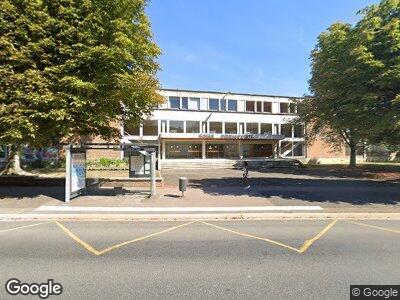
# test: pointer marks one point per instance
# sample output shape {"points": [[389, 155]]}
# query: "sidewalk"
{"points": [[196, 204], [219, 192]]}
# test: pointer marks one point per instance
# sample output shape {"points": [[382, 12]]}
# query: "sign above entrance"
{"points": [[247, 136]]}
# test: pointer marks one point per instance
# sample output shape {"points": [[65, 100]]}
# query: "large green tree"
{"points": [[355, 81], [70, 68], [379, 51]]}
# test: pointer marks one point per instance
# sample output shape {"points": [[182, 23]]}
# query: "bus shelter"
{"points": [[142, 163]]}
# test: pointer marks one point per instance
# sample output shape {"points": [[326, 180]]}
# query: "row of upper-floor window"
{"points": [[231, 105], [151, 128]]}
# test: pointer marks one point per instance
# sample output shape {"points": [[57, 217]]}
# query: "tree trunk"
{"points": [[353, 155], [13, 163]]}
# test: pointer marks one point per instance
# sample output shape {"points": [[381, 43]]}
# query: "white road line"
{"points": [[176, 209]]}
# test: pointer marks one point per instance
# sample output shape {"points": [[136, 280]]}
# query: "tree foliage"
{"points": [[355, 80], [66, 67]]}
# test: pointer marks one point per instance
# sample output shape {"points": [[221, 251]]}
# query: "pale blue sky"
{"points": [[253, 46]]}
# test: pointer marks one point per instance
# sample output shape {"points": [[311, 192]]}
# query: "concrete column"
{"points": [[152, 174], [276, 150], [240, 149], [159, 156], [163, 149], [203, 149]]}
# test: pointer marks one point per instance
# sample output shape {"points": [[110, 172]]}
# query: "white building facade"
{"points": [[200, 126]]}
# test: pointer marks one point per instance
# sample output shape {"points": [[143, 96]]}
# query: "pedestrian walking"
{"points": [[245, 175]]}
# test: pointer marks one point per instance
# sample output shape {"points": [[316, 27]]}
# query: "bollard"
{"points": [[183, 181]]}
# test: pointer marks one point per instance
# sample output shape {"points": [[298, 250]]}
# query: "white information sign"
{"points": [[78, 171]]}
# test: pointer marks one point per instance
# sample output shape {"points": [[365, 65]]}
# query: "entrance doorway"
{"points": [[257, 150]]}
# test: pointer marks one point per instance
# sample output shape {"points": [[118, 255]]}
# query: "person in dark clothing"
{"points": [[245, 175]]}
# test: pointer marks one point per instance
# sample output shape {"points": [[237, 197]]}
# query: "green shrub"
{"points": [[107, 163]]}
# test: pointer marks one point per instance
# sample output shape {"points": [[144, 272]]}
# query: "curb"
{"points": [[187, 217]]}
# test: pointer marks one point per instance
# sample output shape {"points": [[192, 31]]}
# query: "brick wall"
{"points": [[95, 154], [320, 149]]}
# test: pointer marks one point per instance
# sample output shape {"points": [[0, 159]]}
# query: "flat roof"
{"points": [[233, 93]]}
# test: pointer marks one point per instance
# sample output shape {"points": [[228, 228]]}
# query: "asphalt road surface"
{"points": [[285, 259]]}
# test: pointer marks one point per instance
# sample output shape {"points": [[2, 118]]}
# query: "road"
{"points": [[280, 259]]}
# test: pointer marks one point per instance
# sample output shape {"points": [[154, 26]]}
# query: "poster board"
{"points": [[78, 172], [75, 179]]}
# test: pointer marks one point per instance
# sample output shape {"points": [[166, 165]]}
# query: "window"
{"points": [[267, 107], [286, 130], [3, 152], [284, 108], [176, 126], [223, 104], [182, 150], [194, 103], [252, 128], [266, 128], [185, 103], [213, 104], [298, 131], [286, 149], [192, 127], [130, 128], [292, 108], [298, 149], [222, 150], [174, 102], [230, 128], [232, 105], [257, 150], [250, 105], [259, 106], [150, 127], [215, 127]]}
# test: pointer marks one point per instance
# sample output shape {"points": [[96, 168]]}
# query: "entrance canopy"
{"points": [[75, 179]]}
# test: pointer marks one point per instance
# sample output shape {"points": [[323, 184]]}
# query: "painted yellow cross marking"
{"points": [[94, 251], [25, 226], [375, 227], [307, 244]]}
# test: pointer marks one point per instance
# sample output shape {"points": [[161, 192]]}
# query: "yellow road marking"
{"points": [[94, 251], [375, 227], [78, 240], [25, 226], [309, 242], [253, 236], [143, 238], [302, 249]]}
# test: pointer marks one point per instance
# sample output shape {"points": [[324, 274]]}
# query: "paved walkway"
{"points": [[224, 188]]}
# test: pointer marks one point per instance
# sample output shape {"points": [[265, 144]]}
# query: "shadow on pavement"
{"points": [[357, 192], [20, 192], [365, 171]]}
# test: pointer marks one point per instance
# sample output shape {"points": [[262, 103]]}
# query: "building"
{"points": [[203, 126], [219, 128]]}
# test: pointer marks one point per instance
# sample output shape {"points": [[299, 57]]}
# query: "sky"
{"points": [[247, 46]]}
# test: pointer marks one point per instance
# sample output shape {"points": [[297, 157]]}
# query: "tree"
{"points": [[70, 68], [379, 50], [355, 81], [333, 111]]}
